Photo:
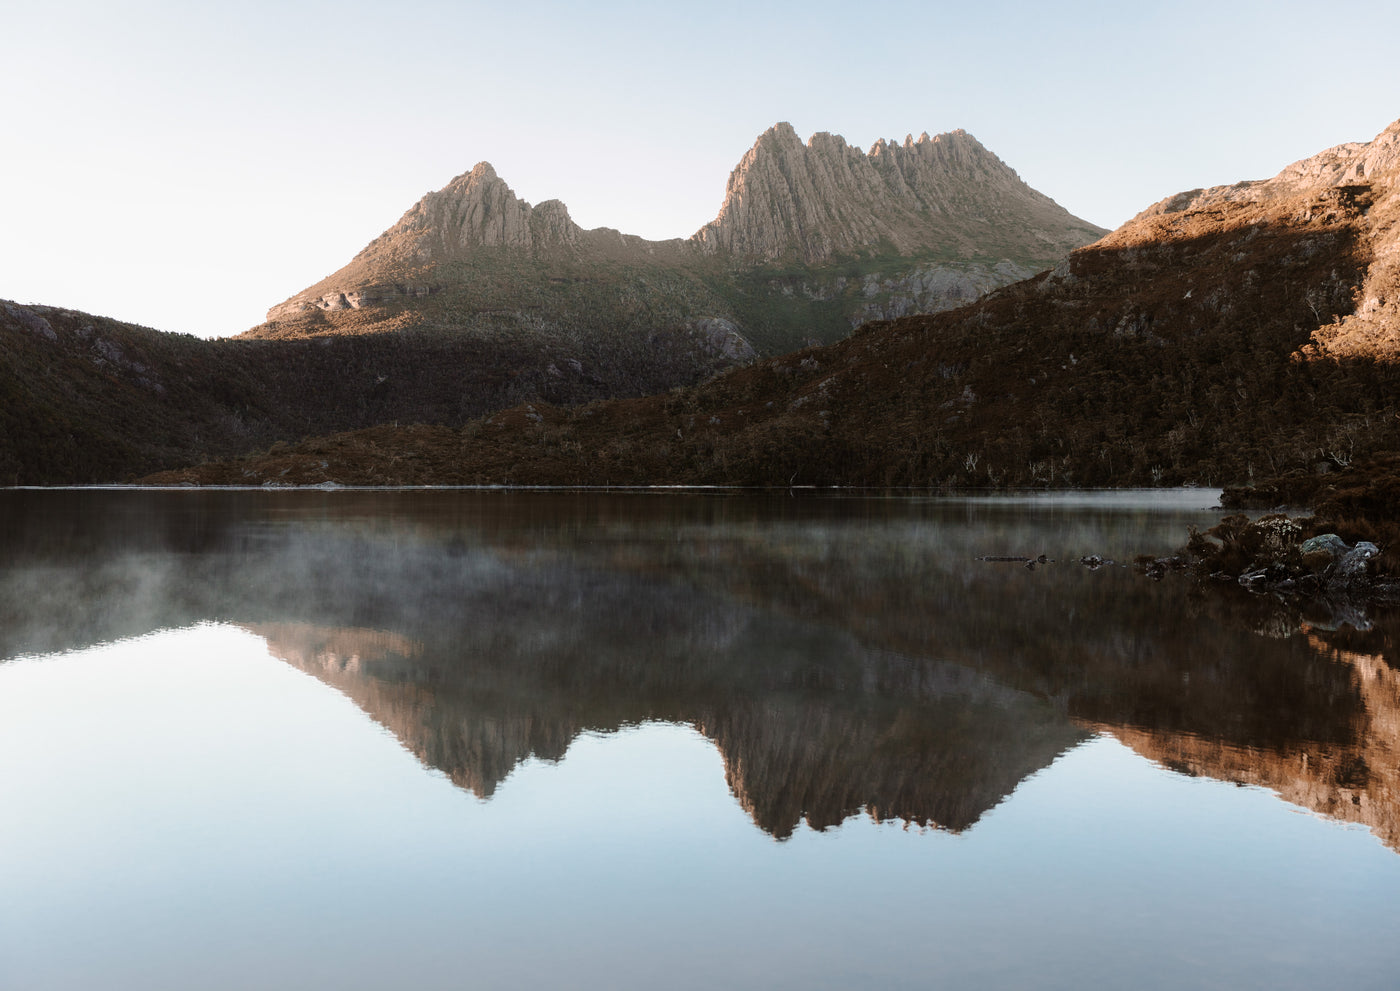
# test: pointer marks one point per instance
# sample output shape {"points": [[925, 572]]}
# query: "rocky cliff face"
{"points": [[479, 210], [917, 227], [476, 210], [790, 201]]}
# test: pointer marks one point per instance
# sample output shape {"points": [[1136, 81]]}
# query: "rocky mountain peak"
{"points": [[477, 210], [944, 205], [808, 202]]}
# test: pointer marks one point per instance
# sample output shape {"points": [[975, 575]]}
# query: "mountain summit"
{"points": [[947, 194], [479, 210], [474, 215], [812, 239]]}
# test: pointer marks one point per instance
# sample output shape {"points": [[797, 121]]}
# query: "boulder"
{"points": [[1354, 568], [1322, 552]]}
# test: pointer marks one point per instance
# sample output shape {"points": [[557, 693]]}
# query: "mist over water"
{"points": [[618, 739]]}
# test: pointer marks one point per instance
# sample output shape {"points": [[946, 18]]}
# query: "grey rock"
{"points": [[1322, 552], [722, 337], [932, 289], [30, 321], [947, 219], [1352, 568]]}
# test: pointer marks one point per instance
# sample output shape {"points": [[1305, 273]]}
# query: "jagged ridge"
{"points": [[826, 197], [946, 217]]}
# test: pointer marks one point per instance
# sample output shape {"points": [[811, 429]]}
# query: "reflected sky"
{"points": [[445, 745]]}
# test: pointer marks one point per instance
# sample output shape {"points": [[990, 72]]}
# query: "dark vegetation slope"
{"points": [[85, 399]]}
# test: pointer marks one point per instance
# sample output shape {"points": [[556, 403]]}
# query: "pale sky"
{"points": [[187, 165]]}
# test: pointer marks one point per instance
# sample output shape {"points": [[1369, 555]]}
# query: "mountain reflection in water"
{"points": [[844, 655]]}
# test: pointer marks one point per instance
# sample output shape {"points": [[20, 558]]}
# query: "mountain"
{"points": [[811, 241], [476, 301], [787, 201], [1220, 335]]}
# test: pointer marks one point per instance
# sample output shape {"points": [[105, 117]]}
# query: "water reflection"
{"points": [[844, 655]]}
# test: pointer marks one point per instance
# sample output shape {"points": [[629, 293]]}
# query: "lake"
{"points": [[491, 739]]}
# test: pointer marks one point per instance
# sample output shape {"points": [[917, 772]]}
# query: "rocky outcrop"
{"points": [[31, 321], [476, 210], [723, 339], [790, 201], [1353, 163], [931, 289], [1295, 575], [479, 210]]}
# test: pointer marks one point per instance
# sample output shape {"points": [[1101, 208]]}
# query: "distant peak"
{"points": [[784, 139], [481, 174], [813, 201], [781, 135]]}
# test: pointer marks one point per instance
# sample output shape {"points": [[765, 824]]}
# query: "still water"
{"points": [[633, 740]]}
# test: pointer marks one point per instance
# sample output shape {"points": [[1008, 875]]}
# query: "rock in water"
{"points": [[1354, 568], [1322, 552]]}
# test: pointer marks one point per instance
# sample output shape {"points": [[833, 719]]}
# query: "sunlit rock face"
{"points": [[475, 211], [477, 301], [1220, 337], [811, 240], [1355, 184], [810, 201]]}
